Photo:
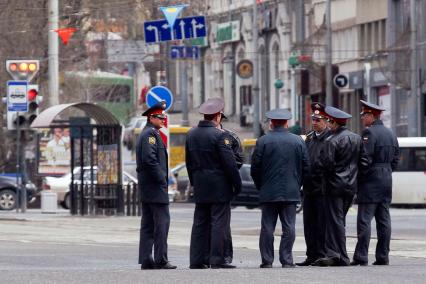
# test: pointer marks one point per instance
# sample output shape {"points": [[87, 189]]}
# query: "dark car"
{"points": [[8, 192], [249, 196]]}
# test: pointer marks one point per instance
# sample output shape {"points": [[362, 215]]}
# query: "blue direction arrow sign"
{"points": [[181, 51], [17, 98], [158, 94], [184, 28]]}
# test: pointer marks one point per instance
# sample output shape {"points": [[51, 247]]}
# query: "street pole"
{"points": [[18, 162], [184, 94], [413, 127], [255, 87], [53, 52], [390, 41], [293, 94], [329, 87]]}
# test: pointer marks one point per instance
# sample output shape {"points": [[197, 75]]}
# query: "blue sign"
{"points": [[181, 51], [172, 12], [17, 97], [158, 94], [184, 28]]}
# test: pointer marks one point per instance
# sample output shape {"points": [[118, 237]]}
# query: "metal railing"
{"points": [[94, 199]]}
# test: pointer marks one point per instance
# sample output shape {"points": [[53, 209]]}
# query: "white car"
{"points": [[61, 185]]}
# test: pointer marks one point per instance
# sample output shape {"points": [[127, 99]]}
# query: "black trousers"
{"points": [[270, 213], [229, 251], [366, 212], [155, 225], [314, 226], [209, 233], [336, 208]]}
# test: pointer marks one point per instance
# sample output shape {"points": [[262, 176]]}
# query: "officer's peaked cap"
{"points": [[318, 110], [279, 113], [371, 108], [212, 106], [336, 113], [157, 109]]}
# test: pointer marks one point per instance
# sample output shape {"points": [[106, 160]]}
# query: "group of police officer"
{"points": [[333, 165]]}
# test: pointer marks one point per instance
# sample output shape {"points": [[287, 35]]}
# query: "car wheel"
{"points": [[67, 201], [7, 199]]}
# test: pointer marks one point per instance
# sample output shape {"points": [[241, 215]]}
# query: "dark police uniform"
{"points": [[313, 190], [236, 148], [152, 169], [375, 189], [279, 165], [213, 172], [342, 154]]}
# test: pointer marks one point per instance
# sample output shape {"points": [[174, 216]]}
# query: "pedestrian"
{"points": [[342, 153], [152, 170], [279, 165], [375, 186], [313, 190], [213, 171], [236, 148]]}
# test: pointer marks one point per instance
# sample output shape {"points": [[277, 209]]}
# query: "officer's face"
{"points": [[332, 124], [319, 124], [367, 119], [157, 121]]}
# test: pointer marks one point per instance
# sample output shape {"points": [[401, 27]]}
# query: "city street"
{"points": [[58, 248]]}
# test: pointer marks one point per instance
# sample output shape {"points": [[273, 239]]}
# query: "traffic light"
{"points": [[22, 69], [34, 100], [24, 119]]}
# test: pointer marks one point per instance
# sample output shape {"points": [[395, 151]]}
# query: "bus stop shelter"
{"points": [[96, 185]]}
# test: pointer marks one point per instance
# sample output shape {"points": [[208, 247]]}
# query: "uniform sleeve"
{"points": [[228, 162], [328, 154], [365, 159], [188, 162], [256, 165], [395, 160], [149, 158], [369, 141], [306, 165], [236, 148]]}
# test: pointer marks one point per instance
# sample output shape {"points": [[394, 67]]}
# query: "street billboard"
{"points": [[54, 154]]}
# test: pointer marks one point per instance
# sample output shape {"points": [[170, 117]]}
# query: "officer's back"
{"points": [[279, 164]]}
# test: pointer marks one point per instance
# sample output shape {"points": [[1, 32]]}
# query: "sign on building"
{"points": [[228, 32]]}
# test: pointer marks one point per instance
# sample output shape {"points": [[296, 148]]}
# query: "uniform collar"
{"points": [[206, 123], [150, 125], [280, 129], [377, 122]]}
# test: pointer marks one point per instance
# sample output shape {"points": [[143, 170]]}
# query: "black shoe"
{"points": [[166, 265], [377, 262], [147, 266], [198, 266], [266, 265], [224, 265], [326, 261], [357, 262], [289, 265], [307, 262]]}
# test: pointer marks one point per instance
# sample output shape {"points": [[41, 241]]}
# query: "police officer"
{"points": [[213, 172], [152, 169], [279, 165], [313, 201], [375, 186], [342, 153], [236, 148]]}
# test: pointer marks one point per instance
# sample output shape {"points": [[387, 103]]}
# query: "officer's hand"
{"points": [[237, 191]]}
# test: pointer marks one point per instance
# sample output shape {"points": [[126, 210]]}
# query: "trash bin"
{"points": [[49, 202]]}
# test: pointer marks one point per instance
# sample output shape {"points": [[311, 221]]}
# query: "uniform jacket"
{"points": [[315, 144], [279, 164], [236, 147], [211, 164], [375, 184], [342, 155], [152, 166]]}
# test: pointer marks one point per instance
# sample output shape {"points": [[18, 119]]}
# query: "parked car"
{"points": [[134, 123], [61, 185], [249, 195], [8, 192]]}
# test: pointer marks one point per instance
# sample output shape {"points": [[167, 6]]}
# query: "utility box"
{"points": [[49, 202]]}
